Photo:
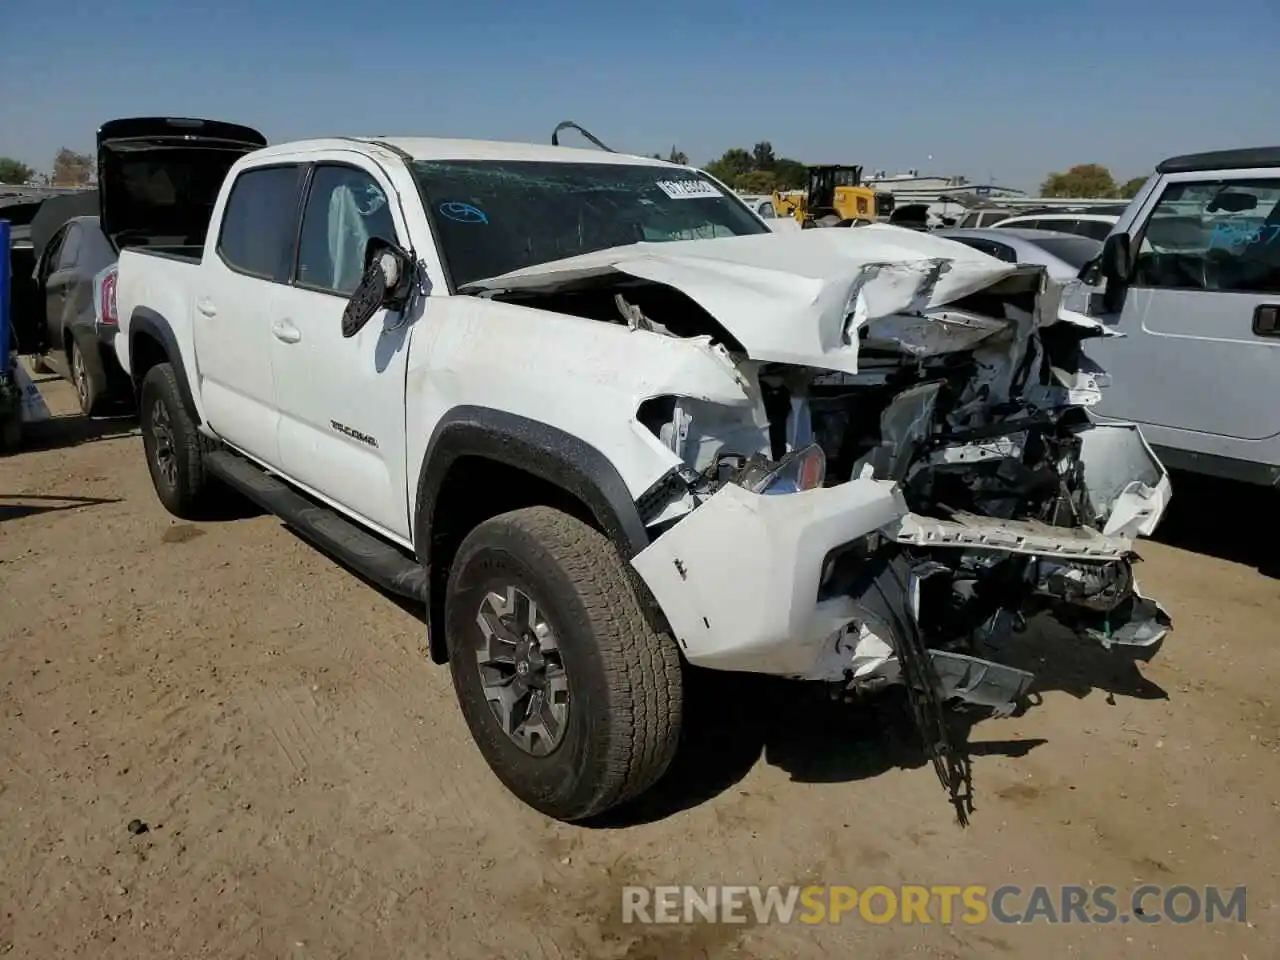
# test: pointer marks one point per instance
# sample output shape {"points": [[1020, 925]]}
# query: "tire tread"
{"points": [[189, 500], [642, 667]]}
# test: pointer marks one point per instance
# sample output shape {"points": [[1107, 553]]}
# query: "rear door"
{"points": [[60, 279], [51, 300], [234, 296], [159, 177], [1202, 353]]}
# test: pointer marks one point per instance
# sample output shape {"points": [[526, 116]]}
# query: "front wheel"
{"points": [[573, 698], [174, 448]]}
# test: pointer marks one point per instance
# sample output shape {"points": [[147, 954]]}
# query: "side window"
{"points": [[1022, 223], [1220, 235], [1095, 229], [345, 210], [987, 219], [766, 211], [49, 261], [69, 254], [259, 221], [991, 248]]}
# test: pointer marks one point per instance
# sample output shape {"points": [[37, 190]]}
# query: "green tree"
{"points": [[790, 174], [71, 169], [755, 181], [1129, 189], [731, 165], [14, 171], [762, 157], [1084, 180], [678, 156]]}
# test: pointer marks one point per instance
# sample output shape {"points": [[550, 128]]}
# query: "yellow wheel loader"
{"points": [[835, 195]]}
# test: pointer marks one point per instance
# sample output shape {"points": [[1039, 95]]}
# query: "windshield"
{"points": [[1075, 250], [495, 216]]}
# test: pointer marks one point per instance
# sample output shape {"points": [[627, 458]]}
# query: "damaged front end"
{"points": [[892, 508]]}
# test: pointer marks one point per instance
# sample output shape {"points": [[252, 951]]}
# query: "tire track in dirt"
{"points": [[357, 819]]}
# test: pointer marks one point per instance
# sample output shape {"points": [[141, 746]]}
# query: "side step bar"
{"points": [[381, 562]]}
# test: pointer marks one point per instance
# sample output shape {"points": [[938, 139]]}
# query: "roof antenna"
{"points": [[566, 124]]}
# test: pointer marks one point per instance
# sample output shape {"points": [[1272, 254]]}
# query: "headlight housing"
{"points": [[800, 470]]}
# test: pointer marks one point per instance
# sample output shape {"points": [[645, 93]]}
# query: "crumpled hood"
{"points": [[795, 297]]}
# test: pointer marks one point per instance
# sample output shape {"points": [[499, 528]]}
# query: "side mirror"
{"points": [[1115, 264], [387, 283], [1117, 258]]}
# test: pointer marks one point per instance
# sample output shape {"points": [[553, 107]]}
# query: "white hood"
{"points": [[795, 297]]}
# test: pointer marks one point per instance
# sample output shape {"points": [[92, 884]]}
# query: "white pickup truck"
{"points": [[499, 378]]}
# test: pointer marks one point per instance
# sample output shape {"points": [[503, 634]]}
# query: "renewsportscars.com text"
{"points": [[919, 904]]}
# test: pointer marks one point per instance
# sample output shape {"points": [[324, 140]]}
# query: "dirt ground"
{"points": [[311, 791]]}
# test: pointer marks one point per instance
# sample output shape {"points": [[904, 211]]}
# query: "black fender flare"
{"points": [[146, 321], [534, 447]]}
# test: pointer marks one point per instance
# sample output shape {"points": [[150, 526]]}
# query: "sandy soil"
{"points": [[311, 792]]}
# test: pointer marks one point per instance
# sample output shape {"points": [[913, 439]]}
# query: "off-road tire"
{"points": [[625, 681], [188, 495]]}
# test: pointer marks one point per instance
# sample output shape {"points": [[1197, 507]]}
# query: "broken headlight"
{"points": [[800, 470]]}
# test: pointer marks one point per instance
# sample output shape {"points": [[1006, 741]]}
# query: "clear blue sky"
{"points": [[989, 88]]}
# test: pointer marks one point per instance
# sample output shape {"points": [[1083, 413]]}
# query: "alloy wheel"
{"points": [[521, 671], [164, 449]]}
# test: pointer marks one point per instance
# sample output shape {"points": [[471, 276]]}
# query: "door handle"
{"points": [[285, 331], [1266, 320], [207, 308]]}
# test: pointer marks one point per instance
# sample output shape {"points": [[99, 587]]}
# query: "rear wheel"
{"points": [[173, 445], [573, 698], [88, 377]]}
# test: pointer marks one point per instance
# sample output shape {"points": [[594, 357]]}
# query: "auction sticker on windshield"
{"points": [[688, 189]]}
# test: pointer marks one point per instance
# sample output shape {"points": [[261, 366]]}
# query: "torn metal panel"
{"points": [[982, 683], [1029, 537], [932, 333], [1129, 489]]}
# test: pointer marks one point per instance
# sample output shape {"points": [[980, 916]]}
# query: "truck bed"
{"points": [[185, 252]]}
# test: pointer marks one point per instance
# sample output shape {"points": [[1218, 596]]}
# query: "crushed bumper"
{"points": [[753, 583], [738, 577]]}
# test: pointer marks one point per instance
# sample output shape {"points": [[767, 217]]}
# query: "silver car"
{"points": [[1063, 254]]}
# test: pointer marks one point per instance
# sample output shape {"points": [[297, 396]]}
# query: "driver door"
{"points": [[341, 400], [1195, 360]]}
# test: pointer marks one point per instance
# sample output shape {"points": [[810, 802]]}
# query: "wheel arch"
{"points": [[481, 462], [152, 341]]}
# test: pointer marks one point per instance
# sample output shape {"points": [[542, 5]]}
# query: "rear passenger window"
{"points": [[1097, 229], [259, 221], [69, 254], [992, 249], [345, 210]]}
